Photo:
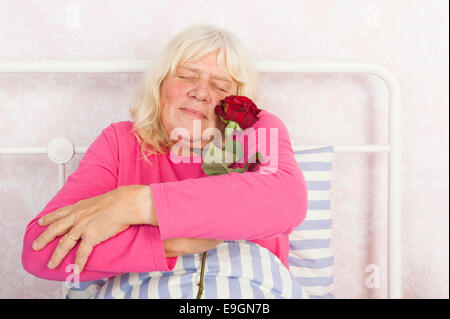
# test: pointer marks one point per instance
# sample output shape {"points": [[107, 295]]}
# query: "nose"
{"points": [[200, 91]]}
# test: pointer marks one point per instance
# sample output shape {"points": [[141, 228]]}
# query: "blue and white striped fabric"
{"points": [[311, 257], [234, 269]]}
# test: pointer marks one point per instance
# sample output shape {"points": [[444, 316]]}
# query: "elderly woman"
{"points": [[135, 216]]}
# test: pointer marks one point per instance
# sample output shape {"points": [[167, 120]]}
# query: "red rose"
{"points": [[239, 109]]}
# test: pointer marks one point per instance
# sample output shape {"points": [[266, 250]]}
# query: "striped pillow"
{"points": [[311, 256], [237, 269]]}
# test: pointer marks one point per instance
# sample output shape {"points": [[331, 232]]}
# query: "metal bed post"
{"points": [[61, 150], [394, 150]]}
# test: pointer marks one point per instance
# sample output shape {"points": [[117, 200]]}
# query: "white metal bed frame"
{"points": [[60, 150]]}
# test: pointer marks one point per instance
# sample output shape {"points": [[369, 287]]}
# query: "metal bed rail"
{"points": [[61, 150]]}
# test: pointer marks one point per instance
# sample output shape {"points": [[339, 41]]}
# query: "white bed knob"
{"points": [[60, 150]]}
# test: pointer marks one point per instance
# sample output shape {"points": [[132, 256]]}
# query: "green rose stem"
{"points": [[202, 271], [231, 125], [202, 275]]}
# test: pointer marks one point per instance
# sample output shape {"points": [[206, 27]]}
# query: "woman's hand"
{"points": [[95, 220], [174, 247]]}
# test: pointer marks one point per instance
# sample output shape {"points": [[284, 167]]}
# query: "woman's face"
{"points": [[199, 86]]}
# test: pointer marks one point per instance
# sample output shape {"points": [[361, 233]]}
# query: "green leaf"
{"points": [[259, 157], [234, 125], [216, 161], [235, 148], [237, 169], [212, 172], [213, 155], [215, 168]]}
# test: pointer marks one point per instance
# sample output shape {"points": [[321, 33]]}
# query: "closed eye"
{"points": [[220, 89], [187, 77]]}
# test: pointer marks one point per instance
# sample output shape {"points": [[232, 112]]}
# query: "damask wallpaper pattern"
{"points": [[410, 38]]}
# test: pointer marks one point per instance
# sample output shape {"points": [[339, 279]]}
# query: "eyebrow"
{"points": [[216, 76]]}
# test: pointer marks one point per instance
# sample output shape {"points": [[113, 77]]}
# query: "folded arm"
{"points": [[269, 201], [137, 249]]}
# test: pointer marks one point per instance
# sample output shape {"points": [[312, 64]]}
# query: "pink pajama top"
{"points": [[263, 205]]}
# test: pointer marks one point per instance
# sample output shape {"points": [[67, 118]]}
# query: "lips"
{"points": [[193, 112]]}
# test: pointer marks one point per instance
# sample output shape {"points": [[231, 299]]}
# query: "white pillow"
{"points": [[310, 255]]}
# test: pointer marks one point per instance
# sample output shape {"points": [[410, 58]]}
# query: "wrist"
{"points": [[153, 216], [146, 210]]}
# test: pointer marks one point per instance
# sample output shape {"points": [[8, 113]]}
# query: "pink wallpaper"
{"points": [[410, 38]]}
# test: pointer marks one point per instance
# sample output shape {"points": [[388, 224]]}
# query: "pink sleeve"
{"points": [[137, 249], [269, 201]]}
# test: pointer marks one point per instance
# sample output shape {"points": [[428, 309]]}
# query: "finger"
{"points": [[56, 229], [54, 216], [83, 252], [66, 243]]}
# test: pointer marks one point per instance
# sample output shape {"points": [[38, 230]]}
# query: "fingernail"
{"points": [[50, 264], [40, 221], [35, 245]]}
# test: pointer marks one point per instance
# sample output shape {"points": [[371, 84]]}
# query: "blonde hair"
{"points": [[187, 46]]}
